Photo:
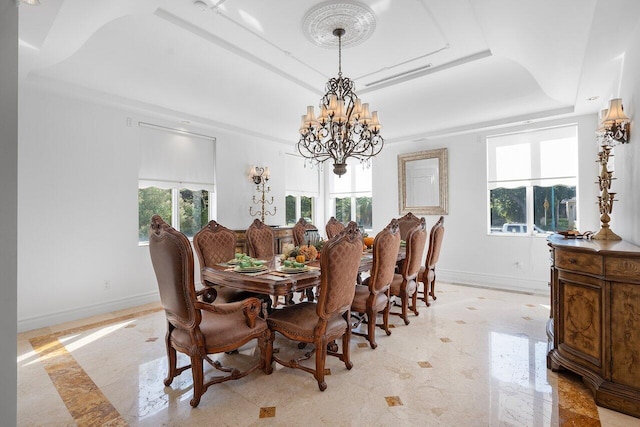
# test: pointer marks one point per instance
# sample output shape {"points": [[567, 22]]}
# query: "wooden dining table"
{"points": [[275, 282]]}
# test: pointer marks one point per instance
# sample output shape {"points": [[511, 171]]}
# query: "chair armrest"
{"points": [[250, 308]]}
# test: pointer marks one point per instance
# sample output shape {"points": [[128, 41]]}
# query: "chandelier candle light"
{"points": [[613, 130], [260, 177], [345, 127]]}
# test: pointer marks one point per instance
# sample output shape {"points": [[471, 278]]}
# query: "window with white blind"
{"points": [[302, 190], [350, 195], [176, 179], [532, 179]]}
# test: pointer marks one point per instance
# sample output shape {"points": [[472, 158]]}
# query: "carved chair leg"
{"points": [[197, 372], [385, 318], [346, 352], [405, 306], [371, 328], [433, 289], [414, 302], [171, 357], [321, 356], [266, 351]]}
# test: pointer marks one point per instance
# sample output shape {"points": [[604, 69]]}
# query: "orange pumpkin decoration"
{"points": [[300, 258], [368, 241]]}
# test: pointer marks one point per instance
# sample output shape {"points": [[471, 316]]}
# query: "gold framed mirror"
{"points": [[423, 182]]}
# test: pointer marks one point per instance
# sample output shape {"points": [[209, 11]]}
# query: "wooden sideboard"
{"points": [[282, 235], [594, 328]]}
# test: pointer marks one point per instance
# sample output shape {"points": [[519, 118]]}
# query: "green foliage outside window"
{"points": [[508, 205], [343, 209], [290, 210], [152, 201], [193, 208], [306, 208], [194, 211], [363, 212]]}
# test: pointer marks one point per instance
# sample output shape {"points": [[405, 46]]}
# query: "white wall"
{"points": [[78, 173], [469, 255], [8, 207], [625, 219]]}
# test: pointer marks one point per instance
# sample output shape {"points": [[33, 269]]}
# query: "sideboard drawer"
{"points": [[622, 268], [577, 261]]}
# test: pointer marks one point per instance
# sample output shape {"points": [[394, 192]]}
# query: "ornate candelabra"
{"points": [[606, 198], [613, 130], [260, 177]]}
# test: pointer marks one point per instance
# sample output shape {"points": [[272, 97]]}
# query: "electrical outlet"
{"points": [[106, 285]]}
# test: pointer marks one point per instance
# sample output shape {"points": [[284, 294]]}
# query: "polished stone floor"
{"points": [[476, 357]]}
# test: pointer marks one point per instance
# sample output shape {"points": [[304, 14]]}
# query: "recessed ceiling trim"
{"points": [[403, 63], [474, 127], [221, 14], [421, 71], [185, 25]]}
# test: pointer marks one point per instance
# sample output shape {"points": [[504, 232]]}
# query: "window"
{"points": [[350, 195], [176, 179], [302, 190], [532, 178]]}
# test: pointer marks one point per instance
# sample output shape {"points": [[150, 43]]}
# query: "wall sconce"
{"points": [[260, 176], [614, 125], [613, 130]]}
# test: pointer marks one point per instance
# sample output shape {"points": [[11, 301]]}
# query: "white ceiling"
{"points": [[430, 67]]}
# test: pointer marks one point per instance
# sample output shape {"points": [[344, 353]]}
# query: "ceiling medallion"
{"points": [[357, 19]]}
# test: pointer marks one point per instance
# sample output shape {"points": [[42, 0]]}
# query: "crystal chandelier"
{"points": [[345, 127]]}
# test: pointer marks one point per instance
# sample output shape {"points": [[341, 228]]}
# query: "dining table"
{"points": [[273, 280]]}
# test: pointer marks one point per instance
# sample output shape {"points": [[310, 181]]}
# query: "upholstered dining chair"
{"points": [[427, 273], [299, 230], [406, 223], [372, 297], [215, 244], [333, 227], [404, 283], [197, 328], [329, 318], [260, 240]]}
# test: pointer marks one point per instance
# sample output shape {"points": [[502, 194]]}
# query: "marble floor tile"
{"points": [[451, 365]]}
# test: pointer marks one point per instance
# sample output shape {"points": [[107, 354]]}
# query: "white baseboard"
{"points": [[51, 319], [509, 283]]}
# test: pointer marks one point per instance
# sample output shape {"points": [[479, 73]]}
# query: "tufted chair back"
{"points": [[385, 254], [416, 241], [299, 229], [339, 266], [435, 243], [406, 223], [260, 239], [333, 227], [214, 244]]}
